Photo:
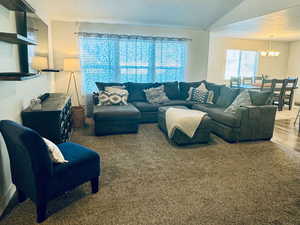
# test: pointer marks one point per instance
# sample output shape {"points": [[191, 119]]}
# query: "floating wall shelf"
{"points": [[17, 5], [17, 76], [15, 38]]}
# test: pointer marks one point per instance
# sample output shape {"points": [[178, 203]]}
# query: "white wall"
{"points": [[273, 66], [15, 96], [65, 44], [294, 65]]}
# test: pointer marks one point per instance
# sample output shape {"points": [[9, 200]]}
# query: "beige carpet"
{"points": [[147, 181]]}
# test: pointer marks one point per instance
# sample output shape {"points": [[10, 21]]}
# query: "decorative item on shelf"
{"points": [[44, 97], [35, 105], [39, 63], [72, 65], [270, 51]]}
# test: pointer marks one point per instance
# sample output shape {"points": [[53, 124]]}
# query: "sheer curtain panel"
{"points": [[123, 58]]}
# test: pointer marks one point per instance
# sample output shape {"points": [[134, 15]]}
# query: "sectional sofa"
{"points": [[254, 122]]}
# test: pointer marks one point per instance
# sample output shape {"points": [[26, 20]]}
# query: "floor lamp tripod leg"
{"points": [[76, 88], [69, 83]]}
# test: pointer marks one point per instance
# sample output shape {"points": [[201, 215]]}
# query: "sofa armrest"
{"points": [[95, 98], [257, 122]]}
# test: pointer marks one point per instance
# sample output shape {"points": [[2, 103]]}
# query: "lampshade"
{"points": [[39, 63], [71, 64]]}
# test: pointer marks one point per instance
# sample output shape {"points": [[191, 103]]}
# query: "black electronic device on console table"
{"points": [[54, 120]]}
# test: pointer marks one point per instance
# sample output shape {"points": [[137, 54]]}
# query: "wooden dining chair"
{"points": [[258, 79], [279, 91], [235, 82], [268, 85], [247, 81], [290, 91]]}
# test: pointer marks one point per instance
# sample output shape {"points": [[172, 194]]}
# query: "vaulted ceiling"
{"points": [[187, 13], [283, 25]]}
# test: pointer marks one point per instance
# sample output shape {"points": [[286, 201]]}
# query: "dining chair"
{"points": [[298, 114], [259, 79], [279, 91], [235, 82], [268, 85], [247, 81], [35, 175], [290, 92]]}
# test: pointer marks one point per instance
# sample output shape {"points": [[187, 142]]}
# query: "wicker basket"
{"points": [[78, 116]]}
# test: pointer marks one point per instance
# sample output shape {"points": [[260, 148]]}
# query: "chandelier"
{"points": [[269, 52]]}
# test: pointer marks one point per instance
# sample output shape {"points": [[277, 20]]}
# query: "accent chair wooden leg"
{"points": [[95, 185], [41, 209], [21, 196]]}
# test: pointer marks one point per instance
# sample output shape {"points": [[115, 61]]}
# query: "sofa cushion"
{"points": [[116, 112], [136, 91], [178, 103], [227, 96], [260, 98], [84, 164], [204, 107], [184, 88], [215, 88], [227, 119], [171, 89], [146, 106]]}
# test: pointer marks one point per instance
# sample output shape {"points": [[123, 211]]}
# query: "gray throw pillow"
{"points": [[227, 95], [156, 95], [260, 98], [243, 99]]}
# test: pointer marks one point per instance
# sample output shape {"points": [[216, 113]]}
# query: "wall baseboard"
{"points": [[4, 200]]}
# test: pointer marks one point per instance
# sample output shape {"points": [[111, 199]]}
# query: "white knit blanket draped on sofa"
{"points": [[186, 120]]}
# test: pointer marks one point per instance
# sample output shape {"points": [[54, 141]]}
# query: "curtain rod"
{"points": [[131, 36]]}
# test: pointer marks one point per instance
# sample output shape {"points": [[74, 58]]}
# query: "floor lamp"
{"points": [[72, 65]]}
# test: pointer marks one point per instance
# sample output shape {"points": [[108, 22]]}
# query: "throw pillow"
{"points": [[113, 98], [202, 93], [136, 91], [215, 88], [260, 98], [156, 95], [227, 95], [101, 86], [243, 99], [116, 89], [54, 152], [184, 88], [198, 95]]}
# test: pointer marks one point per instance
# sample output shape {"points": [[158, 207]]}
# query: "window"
{"points": [[241, 63], [115, 58]]}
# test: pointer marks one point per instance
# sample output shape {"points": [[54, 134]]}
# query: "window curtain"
{"points": [[123, 58]]}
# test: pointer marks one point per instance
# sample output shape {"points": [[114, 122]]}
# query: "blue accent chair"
{"points": [[36, 177]]}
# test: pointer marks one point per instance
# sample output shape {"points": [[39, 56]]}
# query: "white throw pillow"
{"points": [[54, 152]]}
